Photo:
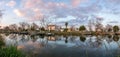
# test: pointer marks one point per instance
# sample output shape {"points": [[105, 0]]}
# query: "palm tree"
{"points": [[66, 24]]}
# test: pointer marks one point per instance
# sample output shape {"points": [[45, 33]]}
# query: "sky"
{"points": [[60, 11]]}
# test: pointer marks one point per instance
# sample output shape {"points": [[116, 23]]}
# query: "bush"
{"points": [[66, 29], [10, 52]]}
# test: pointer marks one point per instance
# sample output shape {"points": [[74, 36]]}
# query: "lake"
{"points": [[65, 46]]}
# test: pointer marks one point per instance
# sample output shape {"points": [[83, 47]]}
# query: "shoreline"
{"points": [[63, 33]]}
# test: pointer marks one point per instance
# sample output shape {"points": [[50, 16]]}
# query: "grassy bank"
{"points": [[9, 51]]}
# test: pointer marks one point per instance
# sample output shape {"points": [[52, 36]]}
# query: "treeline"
{"points": [[95, 27]]}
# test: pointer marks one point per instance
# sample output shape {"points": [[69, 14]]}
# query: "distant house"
{"points": [[51, 27], [98, 30]]}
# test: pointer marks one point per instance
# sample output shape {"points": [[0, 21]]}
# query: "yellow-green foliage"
{"points": [[10, 52], [1, 42]]}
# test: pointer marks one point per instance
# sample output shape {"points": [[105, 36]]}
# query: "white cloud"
{"points": [[19, 12]]}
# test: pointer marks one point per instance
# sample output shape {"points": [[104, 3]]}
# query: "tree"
{"points": [[109, 29], [34, 26], [6, 29], [66, 29], [44, 21], [82, 28], [13, 27], [23, 26], [66, 24], [115, 28], [97, 22], [90, 25], [42, 29]]}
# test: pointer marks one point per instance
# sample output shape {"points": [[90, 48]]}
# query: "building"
{"points": [[51, 27]]}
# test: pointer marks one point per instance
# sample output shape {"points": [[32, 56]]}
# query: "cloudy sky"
{"points": [[60, 11]]}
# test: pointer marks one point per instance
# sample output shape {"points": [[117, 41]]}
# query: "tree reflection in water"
{"points": [[7, 34], [33, 37], [82, 38], [109, 36], [41, 36], [37, 44], [116, 39], [66, 39], [95, 42]]}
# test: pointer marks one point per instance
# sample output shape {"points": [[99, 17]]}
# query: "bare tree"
{"points": [[90, 25], [44, 21], [109, 28], [13, 27], [34, 26], [23, 26], [6, 29], [97, 22]]}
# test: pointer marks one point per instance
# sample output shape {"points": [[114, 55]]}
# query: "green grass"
{"points": [[1, 42], [11, 52]]}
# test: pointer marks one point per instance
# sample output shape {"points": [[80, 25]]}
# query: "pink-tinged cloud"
{"points": [[28, 4], [19, 13], [32, 3], [35, 9], [12, 3], [75, 2]]}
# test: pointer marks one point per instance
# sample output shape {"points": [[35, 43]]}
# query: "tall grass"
{"points": [[11, 52], [1, 42]]}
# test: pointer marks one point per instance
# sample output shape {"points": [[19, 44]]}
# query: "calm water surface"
{"points": [[65, 46]]}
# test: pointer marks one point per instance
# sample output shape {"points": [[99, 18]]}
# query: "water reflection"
{"points": [[66, 39], [54, 46], [82, 38], [109, 36], [116, 38]]}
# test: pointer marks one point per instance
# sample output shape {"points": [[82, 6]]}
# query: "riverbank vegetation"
{"points": [[10, 51]]}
